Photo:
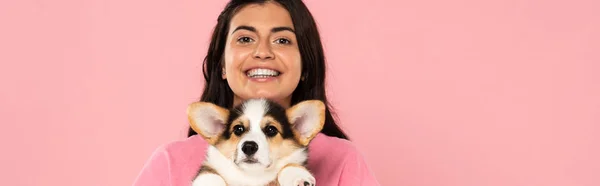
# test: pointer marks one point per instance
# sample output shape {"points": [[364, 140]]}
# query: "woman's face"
{"points": [[262, 59]]}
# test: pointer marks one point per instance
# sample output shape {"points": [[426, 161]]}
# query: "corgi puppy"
{"points": [[257, 143]]}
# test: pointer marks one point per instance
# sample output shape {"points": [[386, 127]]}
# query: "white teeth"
{"points": [[261, 73]]}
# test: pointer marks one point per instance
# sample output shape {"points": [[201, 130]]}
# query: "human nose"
{"points": [[263, 51]]}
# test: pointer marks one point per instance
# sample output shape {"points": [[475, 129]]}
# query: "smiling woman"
{"points": [[264, 49], [262, 58]]}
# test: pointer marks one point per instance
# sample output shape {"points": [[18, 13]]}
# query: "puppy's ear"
{"points": [[307, 119], [208, 120]]}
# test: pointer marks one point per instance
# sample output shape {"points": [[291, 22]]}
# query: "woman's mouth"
{"points": [[260, 73]]}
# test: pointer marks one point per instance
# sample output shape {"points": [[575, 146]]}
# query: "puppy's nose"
{"points": [[249, 148]]}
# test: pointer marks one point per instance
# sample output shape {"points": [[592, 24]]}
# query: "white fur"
{"points": [[304, 119], [267, 170], [209, 179], [208, 120], [255, 111], [235, 176], [294, 176]]}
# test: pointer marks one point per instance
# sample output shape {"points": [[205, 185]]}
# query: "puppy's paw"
{"points": [[295, 176], [209, 179]]}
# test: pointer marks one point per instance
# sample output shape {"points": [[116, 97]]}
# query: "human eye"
{"points": [[244, 39], [283, 41]]}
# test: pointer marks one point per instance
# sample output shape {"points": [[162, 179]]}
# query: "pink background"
{"points": [[434, 92]]}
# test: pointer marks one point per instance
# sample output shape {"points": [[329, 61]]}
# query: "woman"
{"points": [[280, 39]]}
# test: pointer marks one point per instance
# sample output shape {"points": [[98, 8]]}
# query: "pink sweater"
{"points": [[333, 161]]}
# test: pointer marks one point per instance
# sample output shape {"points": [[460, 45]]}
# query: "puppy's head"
{"points": [[258, 133]]}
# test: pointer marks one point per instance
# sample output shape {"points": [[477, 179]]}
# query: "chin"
{"points": [[265, 94], [259, 142], [250, 168]]}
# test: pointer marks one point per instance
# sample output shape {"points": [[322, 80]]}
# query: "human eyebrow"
{"points": [[273, 30], [283, 28], [244, 27]]}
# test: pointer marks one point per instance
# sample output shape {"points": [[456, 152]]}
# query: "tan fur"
{"points": [[273, 183], [290, 113], [206, 169], [241, 120], [270, 120], [224, 113], [284, 147], [278, 147], [228, 147]]}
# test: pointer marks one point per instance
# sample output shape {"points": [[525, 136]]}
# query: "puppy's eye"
{"points": [[238, 130], [270, 131]]}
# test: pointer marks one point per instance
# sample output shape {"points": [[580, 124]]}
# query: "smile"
{"points": [[262, 73]]}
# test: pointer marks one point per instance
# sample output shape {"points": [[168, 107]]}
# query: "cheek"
{"points": [[275, 145], [283, 147], [234, 57], [228, 148], [292, 60]]}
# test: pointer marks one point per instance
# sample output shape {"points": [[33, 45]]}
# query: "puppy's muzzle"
{"points": [[249, 148]]}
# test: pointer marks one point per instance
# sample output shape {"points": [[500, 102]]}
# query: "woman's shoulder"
{"points": [[332, 145], [328, 152], [332, 157], [190, 149], [173, 163], [186, 154]]}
